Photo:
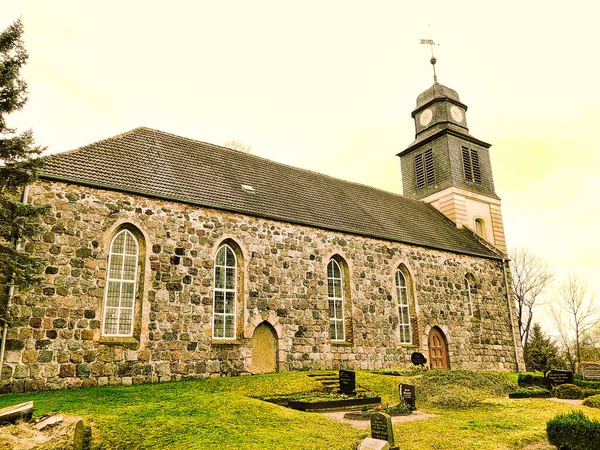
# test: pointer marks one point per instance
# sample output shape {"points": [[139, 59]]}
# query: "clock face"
{"points": [[425, 117], [456, 114]]}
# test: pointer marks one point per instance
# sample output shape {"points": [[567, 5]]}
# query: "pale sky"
{"points": [[330, 85]]}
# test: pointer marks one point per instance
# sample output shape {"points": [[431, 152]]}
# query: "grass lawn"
{"points": [[221, 414]]}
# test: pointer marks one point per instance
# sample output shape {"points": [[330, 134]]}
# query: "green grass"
{"points": [[223, 413]]}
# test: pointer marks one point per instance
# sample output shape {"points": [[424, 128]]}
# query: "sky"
{"points": [[330, 85]]}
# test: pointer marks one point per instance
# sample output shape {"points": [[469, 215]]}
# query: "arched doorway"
{"points": [[264, 349], [438, 349]]}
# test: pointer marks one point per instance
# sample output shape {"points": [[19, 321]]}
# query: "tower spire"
{"points": [[433, 60]]}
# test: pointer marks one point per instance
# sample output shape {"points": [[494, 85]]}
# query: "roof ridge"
{"points": [[73, 150], [250, 155]]}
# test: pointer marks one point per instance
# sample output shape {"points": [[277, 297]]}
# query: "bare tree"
{"points": [[574, 314], [238, 145], [530, 276]]}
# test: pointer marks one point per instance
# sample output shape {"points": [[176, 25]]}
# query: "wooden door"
{"points": [[264, 349], [438, 350]]}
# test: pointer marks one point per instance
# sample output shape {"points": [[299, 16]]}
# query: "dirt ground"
{"points": [[24, 435]]}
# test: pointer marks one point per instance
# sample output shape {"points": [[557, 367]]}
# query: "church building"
{"points": [[169, 258]]}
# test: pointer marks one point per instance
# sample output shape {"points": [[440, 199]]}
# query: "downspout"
{"points": [[512, 323], [11, 292]]}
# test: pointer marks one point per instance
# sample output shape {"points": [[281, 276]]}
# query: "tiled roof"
{"points": [[153, 163]]}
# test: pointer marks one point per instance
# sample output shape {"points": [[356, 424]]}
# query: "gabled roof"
{"points": [[153, 163]]}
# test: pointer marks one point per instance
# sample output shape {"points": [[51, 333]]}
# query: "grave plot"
{"points": [[339, 392]]}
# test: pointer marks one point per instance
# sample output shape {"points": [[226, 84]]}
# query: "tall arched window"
{"points": [[224, 300], [119, 296], [480, 228], [469, 298], [335, 294], [404, 308]]}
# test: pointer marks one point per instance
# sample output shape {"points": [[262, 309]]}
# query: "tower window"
{"points": [[424, 172], [469, 298], [471, 165], [480, 228]]}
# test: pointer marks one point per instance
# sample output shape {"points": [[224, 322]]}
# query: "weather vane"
{"points": [[432, 60]]}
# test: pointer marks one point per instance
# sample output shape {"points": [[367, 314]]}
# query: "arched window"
{"points": [[119, 296], [335, 294], [224, 300], [404, 308], [469, 298], [480, 228]]}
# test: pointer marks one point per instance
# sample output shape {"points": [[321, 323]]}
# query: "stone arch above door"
{"points": [[265, 349], [438, 349]]}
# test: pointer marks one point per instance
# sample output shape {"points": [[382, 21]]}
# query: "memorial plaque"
{"points": [[381, 427], [590, 371], [418, 359], [347, 381], [407, 395], [556, 377]]}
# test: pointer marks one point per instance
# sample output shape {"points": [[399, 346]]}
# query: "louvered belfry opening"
{"points": [[471, 165], [424, 172]]}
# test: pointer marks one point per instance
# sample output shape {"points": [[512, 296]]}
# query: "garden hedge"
{"points": [[527, 379], [569, 391], [592, 402], [530, 392], [573, 431]]}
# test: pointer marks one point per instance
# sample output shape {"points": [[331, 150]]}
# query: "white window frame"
{"points": [[469, 297], [128, 235], [403, 306], [337, 322], [225, 290]]}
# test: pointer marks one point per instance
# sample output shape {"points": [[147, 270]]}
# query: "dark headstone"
{"points": [[381, 427], [347, 381], [556, 377], [418, 359], [407, 395]]}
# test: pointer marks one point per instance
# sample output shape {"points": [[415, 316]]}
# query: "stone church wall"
{"points": [[55, 341]]}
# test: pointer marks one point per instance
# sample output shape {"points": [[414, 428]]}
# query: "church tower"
{"points": [[449, 168]]}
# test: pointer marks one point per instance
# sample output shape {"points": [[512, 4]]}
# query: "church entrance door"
{"points": [[264, 349], [438, 349]]}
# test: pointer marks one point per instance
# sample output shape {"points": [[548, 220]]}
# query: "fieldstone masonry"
{"points": [[56, 339]]}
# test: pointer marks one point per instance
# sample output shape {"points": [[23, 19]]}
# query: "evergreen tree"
{"points": [[18, 167], [542, 354]]}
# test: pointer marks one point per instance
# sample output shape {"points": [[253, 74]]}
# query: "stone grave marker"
{"points": [[590, 371], [373, 444], [381, 428], [79, 436], [347, 381], [418, 359], [407, 395], [556, 377]]}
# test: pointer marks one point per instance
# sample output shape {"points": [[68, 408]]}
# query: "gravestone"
{"points": [[590, 371], [556, 377], [407, 395], [347, 382], [381, 428], [79, 436], [418, 359], [373, 444]]}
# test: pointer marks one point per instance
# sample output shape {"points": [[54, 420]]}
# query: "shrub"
{"points": [[592, 402], [590, 392], [587, 384], [530, 392], [569, 391], [532, 379], [573, 431]]}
